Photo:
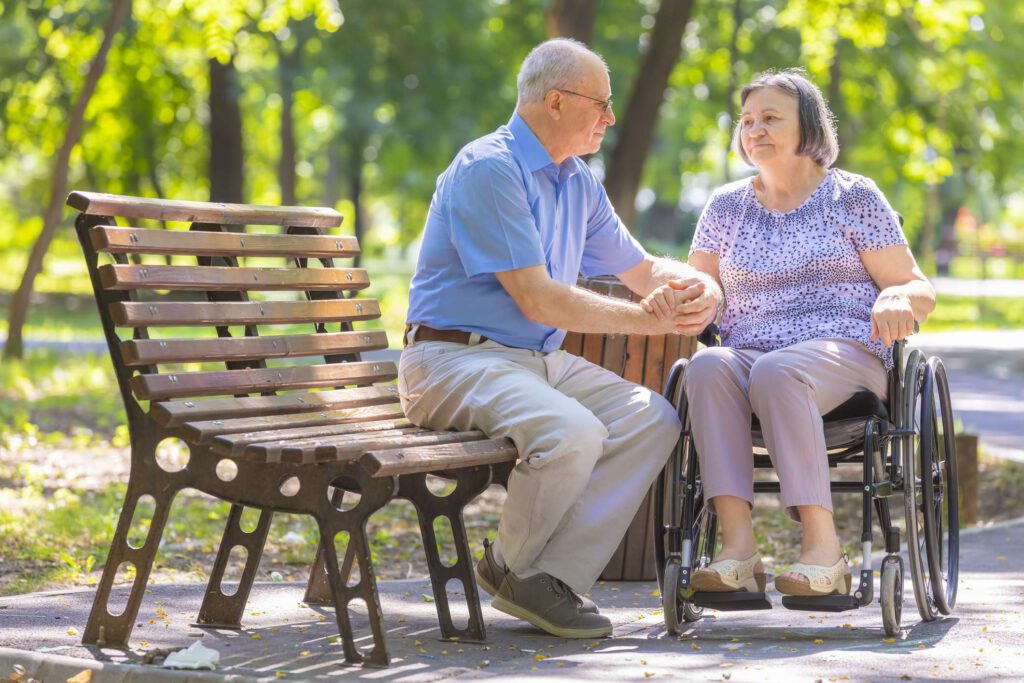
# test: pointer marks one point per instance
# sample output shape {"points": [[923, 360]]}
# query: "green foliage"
{"points": [[383, 94]]}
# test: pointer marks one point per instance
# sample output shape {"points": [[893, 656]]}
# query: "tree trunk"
{"points": [[286, 162], [14, 348], [571, 19], [730, 93], [355, 179], [331, 195], [636, 130], [835, 74], [226, 163]]}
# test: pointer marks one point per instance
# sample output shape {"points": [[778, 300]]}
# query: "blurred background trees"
{"points": [[360, 105]]}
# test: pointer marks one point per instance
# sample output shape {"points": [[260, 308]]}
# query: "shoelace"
{"points": [[561, 588]]}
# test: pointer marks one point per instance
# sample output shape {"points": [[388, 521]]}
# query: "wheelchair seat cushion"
{"points": [[844, 425]]}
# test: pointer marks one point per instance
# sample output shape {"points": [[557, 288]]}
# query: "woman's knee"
{"points": [[710, 368], [772, 373]]}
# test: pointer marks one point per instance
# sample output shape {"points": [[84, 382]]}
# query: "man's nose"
{"points": [[609, 116]]}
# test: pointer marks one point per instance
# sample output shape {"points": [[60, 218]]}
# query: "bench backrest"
{"points": [[212, 321]]}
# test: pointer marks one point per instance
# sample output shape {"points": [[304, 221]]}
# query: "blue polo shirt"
{"points": [[504, 204]]}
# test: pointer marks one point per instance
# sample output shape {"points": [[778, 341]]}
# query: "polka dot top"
{"points": [[793, 276]]}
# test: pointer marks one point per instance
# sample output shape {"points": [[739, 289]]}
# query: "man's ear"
{"points": [[553, 103]]}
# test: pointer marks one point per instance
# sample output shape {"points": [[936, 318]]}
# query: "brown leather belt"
{"points": [[424, 333]]}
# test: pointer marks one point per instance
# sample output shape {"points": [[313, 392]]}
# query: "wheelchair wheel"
{"points": [[705, 535], [677, 609], [915, 442], [892, 594], [939, 488]]}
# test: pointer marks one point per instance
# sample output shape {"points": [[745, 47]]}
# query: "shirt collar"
{"points": [[530, 148]]}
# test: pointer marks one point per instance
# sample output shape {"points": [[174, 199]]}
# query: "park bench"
{"points": [[208, 329]]}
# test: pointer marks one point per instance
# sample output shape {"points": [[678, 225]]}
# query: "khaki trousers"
{"points": [[590, 445], [789, 390]]}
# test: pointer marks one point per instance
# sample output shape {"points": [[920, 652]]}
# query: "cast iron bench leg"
{"points": [[429, 507], [318, 590], [220, 610], [103, 627]]}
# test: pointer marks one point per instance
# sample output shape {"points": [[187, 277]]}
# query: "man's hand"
{"points": [[687, 304], [892, 317]]}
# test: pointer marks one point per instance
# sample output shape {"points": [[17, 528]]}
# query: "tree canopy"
{"points": [[360, 105]]}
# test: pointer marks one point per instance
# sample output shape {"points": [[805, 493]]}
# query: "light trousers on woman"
{"points": [[789, 390]]}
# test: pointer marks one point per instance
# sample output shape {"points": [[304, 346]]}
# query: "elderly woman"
{"points": [[818, 282]]}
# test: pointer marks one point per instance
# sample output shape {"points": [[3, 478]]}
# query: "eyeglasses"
{"points": [[606, 105]]}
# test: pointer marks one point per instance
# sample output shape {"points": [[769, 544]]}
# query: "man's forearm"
{"points": [[580, 310]]}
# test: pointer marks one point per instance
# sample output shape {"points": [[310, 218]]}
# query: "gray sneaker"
{"points": [[549, 604], [489, 575]]}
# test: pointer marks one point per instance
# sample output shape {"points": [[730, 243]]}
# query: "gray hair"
{"points": [[818, 138], [556, 63]]}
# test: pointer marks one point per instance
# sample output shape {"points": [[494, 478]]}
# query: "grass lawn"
{"points": [[63, 465]]}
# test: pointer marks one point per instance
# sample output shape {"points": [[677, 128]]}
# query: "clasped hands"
{"points": [[683, 306]]}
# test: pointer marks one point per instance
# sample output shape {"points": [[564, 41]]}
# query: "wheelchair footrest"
{"points": [[820, 603], [732, 601]]}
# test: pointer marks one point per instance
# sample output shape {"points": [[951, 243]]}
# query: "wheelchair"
{"points": [[904, 446]]}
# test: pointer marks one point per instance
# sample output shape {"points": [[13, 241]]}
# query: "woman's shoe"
{"points": [[730, 575], [834, 580]]}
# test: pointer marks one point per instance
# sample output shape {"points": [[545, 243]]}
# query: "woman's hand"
{"points": [[690, 304], [892, 317]]}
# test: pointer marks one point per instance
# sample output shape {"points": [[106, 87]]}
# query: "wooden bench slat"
{"points": [[349, 448], [353, 445], [255, 380], [140, 314], [386, 463], [354, 421], [102, 204], [176, 413], [369, 418], [205, 243], [216, 278], [155, 351]]}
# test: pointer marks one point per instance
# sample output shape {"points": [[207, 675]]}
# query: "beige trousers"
{"points": [[789, 390], [590, 445]]}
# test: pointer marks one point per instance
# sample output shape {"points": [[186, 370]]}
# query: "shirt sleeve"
{"points": [[609, 249], [492, 228], [708, 235], [867, 218]]}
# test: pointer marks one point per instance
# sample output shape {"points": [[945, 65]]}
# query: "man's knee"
{"points": [[663, 421], [576, 438]]}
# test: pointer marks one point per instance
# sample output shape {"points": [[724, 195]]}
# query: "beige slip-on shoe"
{"points": [[833, 580], [730, 575]]}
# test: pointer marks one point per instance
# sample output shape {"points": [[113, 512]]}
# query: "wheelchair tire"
{"points": [[892, 594], [939, 488], [914, 409]]}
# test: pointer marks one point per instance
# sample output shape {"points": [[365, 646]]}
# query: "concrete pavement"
{"points": [[986, 377], [285, 639]]}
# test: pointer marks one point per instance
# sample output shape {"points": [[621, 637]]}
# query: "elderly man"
{"points": [[515, 217]]}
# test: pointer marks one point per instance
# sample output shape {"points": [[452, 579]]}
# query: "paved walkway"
{"points": [[986, 376], [284, 639]]}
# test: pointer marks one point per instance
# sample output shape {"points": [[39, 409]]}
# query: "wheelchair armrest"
{"points": [[709, 337]]}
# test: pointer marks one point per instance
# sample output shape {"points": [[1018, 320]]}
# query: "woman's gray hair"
{"points": [[818, 138], [554, 64]]}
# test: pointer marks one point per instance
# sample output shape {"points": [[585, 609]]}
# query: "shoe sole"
{"points": [[491, 589], [788, 586], [710, 581], [508, 607], [485, 584]]}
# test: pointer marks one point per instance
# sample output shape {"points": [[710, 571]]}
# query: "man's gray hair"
{"points": [[556, 63]]}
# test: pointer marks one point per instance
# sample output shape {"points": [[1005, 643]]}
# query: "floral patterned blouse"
{"points": [[793, 276]]}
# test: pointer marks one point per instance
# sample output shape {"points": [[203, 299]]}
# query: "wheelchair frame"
{"points": [[916, 438]]}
